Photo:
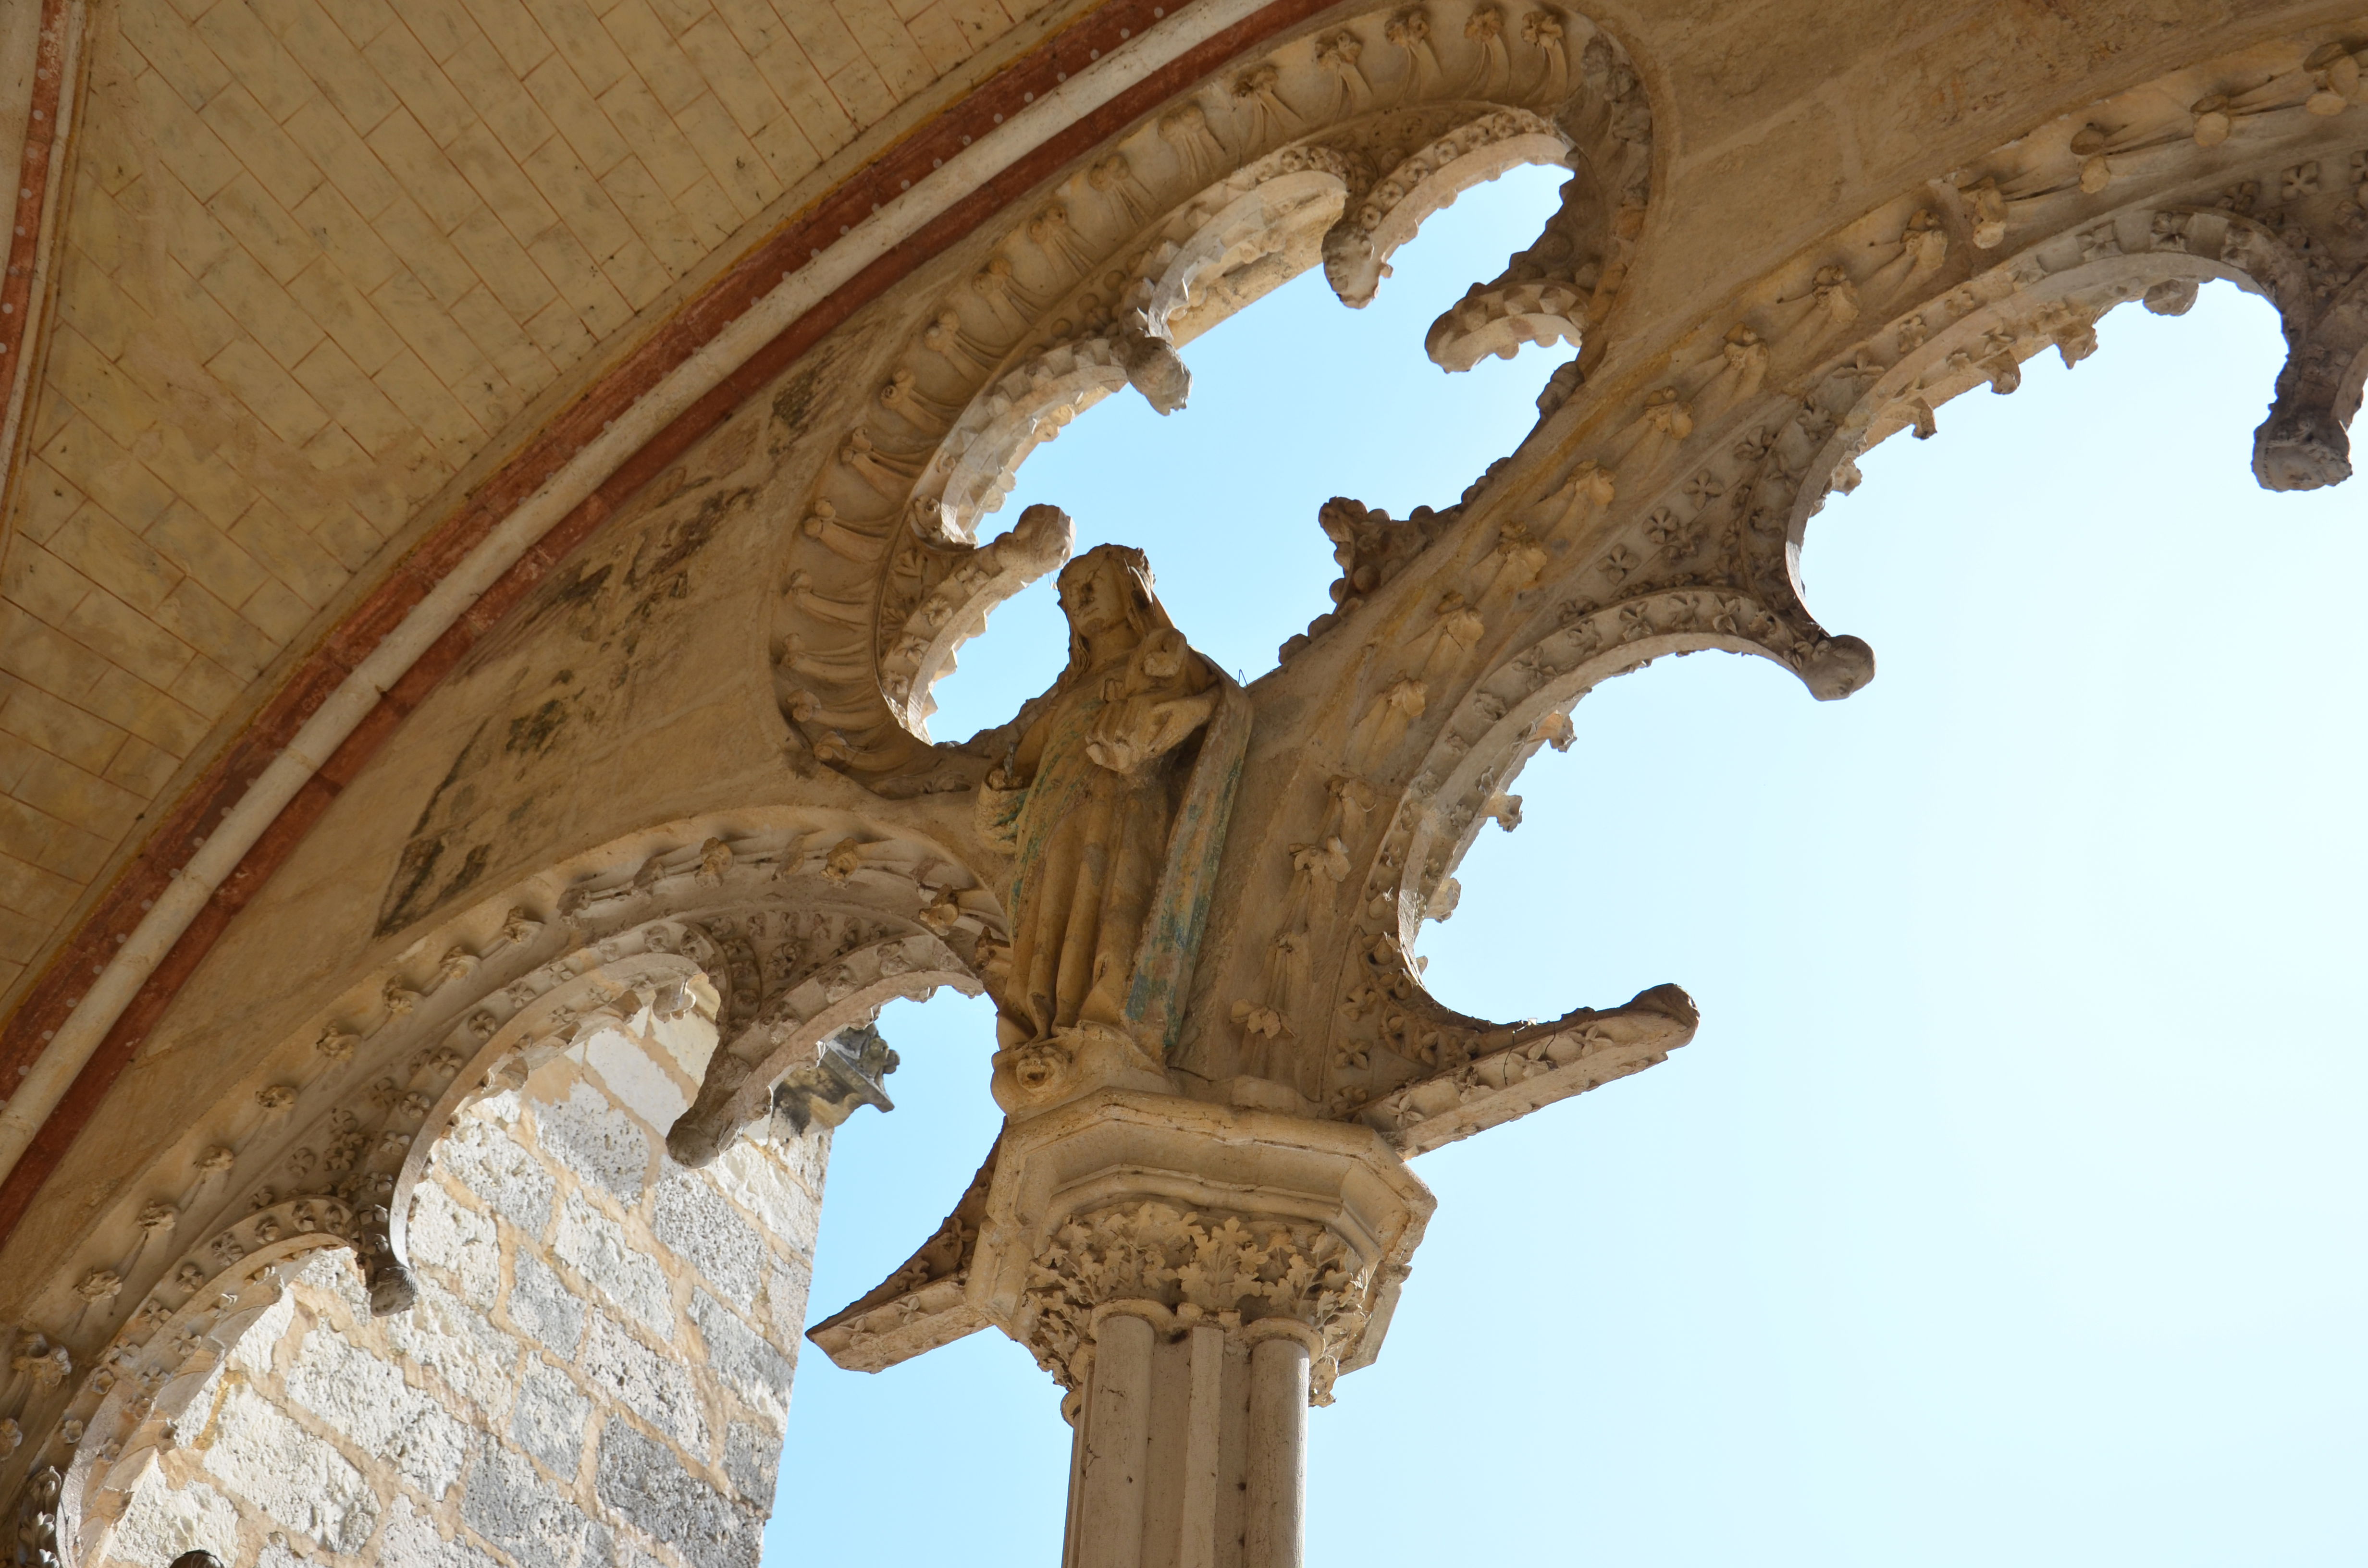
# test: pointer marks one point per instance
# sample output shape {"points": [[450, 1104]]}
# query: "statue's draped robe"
{"points": [[1091, 843]]}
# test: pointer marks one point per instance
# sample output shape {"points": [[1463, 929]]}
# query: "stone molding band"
{"points": [[77, 1028], [57, 59]]}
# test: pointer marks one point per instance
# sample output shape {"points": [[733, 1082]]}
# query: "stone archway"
{"points": [[449, 1276]]}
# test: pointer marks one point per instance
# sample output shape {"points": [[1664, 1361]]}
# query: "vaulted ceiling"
{"points": [[320, 267]]}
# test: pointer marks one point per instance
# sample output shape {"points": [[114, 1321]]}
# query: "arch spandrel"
{"points": [[630, 688]]}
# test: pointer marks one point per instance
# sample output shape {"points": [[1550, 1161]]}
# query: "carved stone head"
{"points": [[1351, 266], [1107, 595]]}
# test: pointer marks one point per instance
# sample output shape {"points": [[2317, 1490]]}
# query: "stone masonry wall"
{"points": [[595, 1375]]}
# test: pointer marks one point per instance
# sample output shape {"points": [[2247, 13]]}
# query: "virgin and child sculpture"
{"points": [[1111, 800]]}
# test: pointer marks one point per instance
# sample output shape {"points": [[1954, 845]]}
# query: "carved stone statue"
{"points": [[1111, 798]]}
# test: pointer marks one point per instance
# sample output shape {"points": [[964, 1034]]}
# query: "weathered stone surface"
{"points": [[409, 1538], [504, 1176], [752, 1457], [635, 1071], [164, 1521], [787, 1286], [505, 1501], [452, 1339], [254, 1351], [598, 1250], [597, 1140], [650, 1490], [550, 1419], [659, 1391], [541, 1304], [298, 1479], [779, 1181], [445, 1235], [807, 1158], [335, 1276], [761, 1372], [365, 1400], [692, 1218]]}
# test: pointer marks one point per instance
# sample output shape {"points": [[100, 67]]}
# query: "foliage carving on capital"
{"points": [[1202, 1266]]}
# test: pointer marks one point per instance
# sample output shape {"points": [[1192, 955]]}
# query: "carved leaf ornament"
{"points": [[1225, 1268]]}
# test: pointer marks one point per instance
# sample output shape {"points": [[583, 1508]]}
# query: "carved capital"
{"points": [[1194, 1215], [1187, 1267]]}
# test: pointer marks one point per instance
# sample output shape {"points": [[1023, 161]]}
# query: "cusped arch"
{"points": [[1330, 150], [762, 930], [1396, 1058], [159, 1396], [1663, 511]]}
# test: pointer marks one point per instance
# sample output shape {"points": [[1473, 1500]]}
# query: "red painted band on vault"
{"points": [[33, 187]]}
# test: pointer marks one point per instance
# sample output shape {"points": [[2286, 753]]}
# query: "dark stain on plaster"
{"points": [[535, 731], [601, 615], [414, 890], [820, 374]]}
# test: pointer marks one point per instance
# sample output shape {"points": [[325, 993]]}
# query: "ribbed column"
{"points": [[1204, 1428], [1111, 1469], [1274, 1530], [1073, 1411]]}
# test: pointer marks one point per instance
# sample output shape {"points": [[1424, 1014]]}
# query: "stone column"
{"points": [[1196, 1276], [1272, 1493]]}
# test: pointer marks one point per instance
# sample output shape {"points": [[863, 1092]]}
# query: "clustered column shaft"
{"points": [[1190, 1443]]}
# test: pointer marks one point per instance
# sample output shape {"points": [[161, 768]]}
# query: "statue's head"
{"points": [[1106, 587]]}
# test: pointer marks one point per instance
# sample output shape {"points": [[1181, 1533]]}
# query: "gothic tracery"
{"points": [[713, 969]]}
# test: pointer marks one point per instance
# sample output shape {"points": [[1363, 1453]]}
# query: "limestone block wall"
{"points": [[596, 1374]]}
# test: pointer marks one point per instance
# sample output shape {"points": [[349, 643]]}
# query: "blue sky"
{"points": [[2010, 1205]]}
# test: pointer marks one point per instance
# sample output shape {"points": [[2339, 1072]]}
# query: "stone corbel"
{"points": [[845, 1077], [2304, 444], [787, 1038], [1542, 1063], [925, 1303]]}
